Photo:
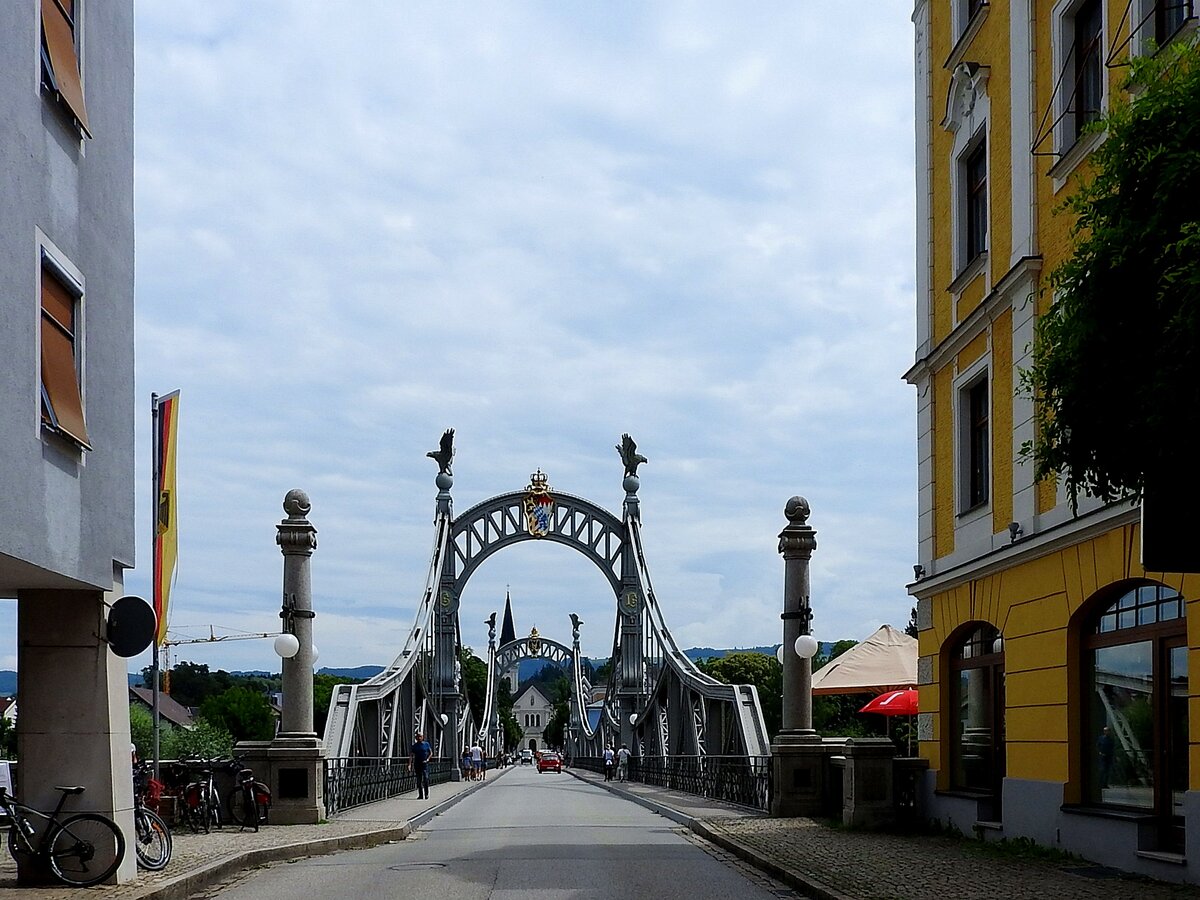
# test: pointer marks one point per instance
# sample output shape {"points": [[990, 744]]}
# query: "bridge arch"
{"points": [[533, 647], [503, 521]]}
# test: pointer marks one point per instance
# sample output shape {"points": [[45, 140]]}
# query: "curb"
{"points": [[803, 884], [184, 886]]}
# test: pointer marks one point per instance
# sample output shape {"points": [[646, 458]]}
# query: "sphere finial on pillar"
{"points": [[797, 510], [296, 504]]}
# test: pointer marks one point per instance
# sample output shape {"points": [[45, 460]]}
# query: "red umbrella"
{"points": [[894, 703]]}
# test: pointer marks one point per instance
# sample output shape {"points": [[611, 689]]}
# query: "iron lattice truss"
{"points": [[655, 700]]}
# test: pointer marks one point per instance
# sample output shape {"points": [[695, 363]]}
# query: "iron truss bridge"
{"points": [[656, 700]]}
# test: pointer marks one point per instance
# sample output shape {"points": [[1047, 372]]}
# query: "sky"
{"points": [[543, 225]]}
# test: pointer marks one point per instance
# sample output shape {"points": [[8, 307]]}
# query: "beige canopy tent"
{"points": [[885, 661]]}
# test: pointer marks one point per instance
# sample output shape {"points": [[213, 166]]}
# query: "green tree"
{"points": [[474, 676], [1116, 353], [760, 670], [203, 740], [512, 730], [246, 715], [8, 738]]}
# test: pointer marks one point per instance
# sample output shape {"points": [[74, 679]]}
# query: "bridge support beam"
{"points": [[798, 757]]}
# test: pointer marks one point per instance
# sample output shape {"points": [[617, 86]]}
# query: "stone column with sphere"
{"points": [[799, 758], [293, 763], [297, 539]]}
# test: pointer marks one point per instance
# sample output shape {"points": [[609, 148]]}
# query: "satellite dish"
{"points": [[131, 626]]}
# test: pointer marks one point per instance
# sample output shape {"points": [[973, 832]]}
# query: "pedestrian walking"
{"points": [[419, 760], [609, 760], [465, 764], [623, 763], [477, 762]]}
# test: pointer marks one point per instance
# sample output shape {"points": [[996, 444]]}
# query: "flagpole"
{"points": [[154, 474]]}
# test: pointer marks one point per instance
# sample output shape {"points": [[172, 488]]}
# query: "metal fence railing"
{"points": [[742, 780], [351, 782]]}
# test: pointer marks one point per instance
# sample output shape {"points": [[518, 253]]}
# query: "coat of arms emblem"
{"points": [[538, 505], [535, 642]]}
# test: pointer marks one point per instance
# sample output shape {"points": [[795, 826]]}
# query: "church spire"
{"points": [[508, 631]]}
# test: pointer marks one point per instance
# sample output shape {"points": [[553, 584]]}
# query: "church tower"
{"points": [[508, 633]]}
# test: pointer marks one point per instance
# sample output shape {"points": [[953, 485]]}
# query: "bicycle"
{"points": [[81, 850], [201, 802], [250, 800], [152, 837]]}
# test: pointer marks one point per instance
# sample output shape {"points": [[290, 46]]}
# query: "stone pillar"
{"points": [[294, 760], [74, 701], [867, 794], [798, 756]]}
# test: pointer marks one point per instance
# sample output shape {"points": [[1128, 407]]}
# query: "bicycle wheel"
{"points": [[241, 807], [214, 806], [152, 841], [18, 846], [86, 849]]}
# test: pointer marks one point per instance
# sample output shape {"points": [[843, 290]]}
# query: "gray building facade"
{"points": [[67, 395]]}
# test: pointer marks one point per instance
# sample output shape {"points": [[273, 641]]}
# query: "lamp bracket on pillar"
{"points": [[290, 613]]}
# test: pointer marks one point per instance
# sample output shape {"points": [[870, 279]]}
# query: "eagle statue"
{"points": [[445, 453], [629, 455]]}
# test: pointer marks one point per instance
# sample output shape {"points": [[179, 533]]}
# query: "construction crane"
{"points": [[213, 638]]}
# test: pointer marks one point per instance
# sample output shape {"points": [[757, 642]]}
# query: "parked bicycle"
{"points": [[201, 802], [249, 800], [152, 837], [81, 849]]}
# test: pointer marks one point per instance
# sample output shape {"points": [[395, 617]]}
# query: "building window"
{"points": [[1088, 65], [1136, 713], [977, 664], [62, 400], [976, 443], [60, 58], [975, 204], [1169, 16]]}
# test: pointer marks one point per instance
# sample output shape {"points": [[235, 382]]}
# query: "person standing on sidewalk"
{"points": [[623, 763], [477, 762], [419, 760], [609, 759]]}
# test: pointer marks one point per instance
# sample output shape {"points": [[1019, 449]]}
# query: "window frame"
{"points": [[1163, 636], [986, 644], [1069, 130], [975, 206], [53, 412], [974, 439]]}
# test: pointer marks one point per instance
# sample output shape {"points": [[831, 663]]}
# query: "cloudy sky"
{"points": [[542, 224]]}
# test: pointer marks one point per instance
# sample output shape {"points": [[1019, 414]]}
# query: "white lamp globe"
{"points": [[315, 654], [633, 718], [779, 654], [287, 645], [806, 646], [445, 718]]}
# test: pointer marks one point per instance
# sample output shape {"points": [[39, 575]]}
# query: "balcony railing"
{"points": [[351, 782], [741, 780]]}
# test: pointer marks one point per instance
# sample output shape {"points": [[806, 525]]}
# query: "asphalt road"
{"points": [[525, 835]]}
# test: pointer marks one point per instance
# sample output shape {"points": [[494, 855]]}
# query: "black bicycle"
{"points": [[201, 802], [152, 837], [249, 800], [81, 850]]}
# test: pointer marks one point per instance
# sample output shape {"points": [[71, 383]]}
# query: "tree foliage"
{"points": [[241, 711], [474, 676], [1116, 354], [764, 672]]}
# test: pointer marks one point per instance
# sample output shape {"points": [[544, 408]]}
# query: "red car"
{"points": [[549, 762]]}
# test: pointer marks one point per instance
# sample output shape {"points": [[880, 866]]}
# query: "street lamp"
{"points": [[287, 645], [806, 646]]}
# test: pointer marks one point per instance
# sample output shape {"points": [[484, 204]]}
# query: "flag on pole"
{"points": [[166, 513]]}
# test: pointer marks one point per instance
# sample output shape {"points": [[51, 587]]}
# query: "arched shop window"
{"points": [[977, 664], [1136, 714]]}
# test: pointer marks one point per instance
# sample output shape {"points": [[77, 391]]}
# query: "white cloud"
{"points": [[542, 225]]}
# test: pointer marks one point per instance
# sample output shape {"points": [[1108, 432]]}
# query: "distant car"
{"points": [[548, 762], [526, 757]]}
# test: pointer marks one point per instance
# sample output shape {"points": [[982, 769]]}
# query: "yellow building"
{"points": [[1054, 670]]}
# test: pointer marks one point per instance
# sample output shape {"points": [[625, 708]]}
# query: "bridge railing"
{"points": [[355, 781], [741, 780]]}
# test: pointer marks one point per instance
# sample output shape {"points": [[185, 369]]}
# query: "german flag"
{"points": [[166, 515]]}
